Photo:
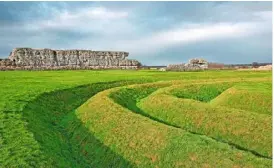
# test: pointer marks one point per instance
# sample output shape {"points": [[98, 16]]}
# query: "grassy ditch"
{"points": [[163, 113], [61, 135]]}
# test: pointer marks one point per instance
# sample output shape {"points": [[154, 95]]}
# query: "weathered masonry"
{"points": [[67, 59]]}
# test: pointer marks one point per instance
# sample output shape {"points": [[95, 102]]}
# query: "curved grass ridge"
{"points": [[204, 93], [61, 136], [101, 133], [148, 143], [245, 130], [255, 97], [127, 98]]}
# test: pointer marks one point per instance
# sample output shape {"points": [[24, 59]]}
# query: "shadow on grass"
{"points": [[128, 98], [63, 139]]}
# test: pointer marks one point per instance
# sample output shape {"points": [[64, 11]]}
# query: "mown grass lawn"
{"points": [[71, 119]]}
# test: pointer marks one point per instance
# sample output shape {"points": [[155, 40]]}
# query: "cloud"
{"points": [[194, 33], [264, 15], [186, 34], [85, 19], [148, 30]]}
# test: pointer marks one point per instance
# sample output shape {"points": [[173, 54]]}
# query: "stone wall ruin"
{"points": [[193, 65], [28, 58]]}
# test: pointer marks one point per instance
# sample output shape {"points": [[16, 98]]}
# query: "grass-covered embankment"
{"points": [[255, 97], [243, 129], [39, 126], [148, 142], [63, 135]]}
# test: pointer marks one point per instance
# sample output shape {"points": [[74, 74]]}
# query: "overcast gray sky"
{"points": [[155, 33]]}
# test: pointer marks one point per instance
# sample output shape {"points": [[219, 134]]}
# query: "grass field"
{"points": [[135, 119]]}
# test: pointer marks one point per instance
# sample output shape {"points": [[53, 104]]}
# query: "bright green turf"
{"points": [[39, 128]]}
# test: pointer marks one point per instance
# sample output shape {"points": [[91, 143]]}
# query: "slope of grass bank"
{"points": [[256, 97], [148, 142], [60, 140], [248, 130], [38, 126]]}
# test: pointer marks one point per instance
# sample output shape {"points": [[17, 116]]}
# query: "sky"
{"points": [[155, 33]]}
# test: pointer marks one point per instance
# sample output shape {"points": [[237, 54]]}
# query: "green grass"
{"points": [[203, 93], [200, 117], [179, 146], [225, 124], [255, 97], [42, 125], [61, 140]]}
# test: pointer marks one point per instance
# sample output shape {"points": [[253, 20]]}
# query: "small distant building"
{"points": [[162, 69], [153, 67]]}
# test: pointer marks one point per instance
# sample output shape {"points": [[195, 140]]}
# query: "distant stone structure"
{"points": [[193, 65], [28, 58]]}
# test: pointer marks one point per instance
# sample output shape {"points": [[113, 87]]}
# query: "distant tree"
{"points": [[139, 65], [255, 64]]}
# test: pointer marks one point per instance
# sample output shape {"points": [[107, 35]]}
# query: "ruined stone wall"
{"points": [[45, 58], [193, 65]]}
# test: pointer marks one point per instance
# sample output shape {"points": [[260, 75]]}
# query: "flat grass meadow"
{"points": [[135, 118]]}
